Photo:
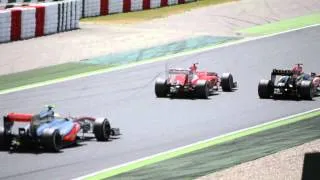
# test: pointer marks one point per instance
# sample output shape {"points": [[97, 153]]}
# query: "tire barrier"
{"points": [[23, 19], [92, 8], [24, 1], [23, 22], [33, 20]]}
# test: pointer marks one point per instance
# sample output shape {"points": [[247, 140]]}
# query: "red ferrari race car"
{"points": [[52, 132], [290, 83], [193, 82]]}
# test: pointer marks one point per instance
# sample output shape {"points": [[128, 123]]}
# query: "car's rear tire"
{"points": [[227, 82], [51, 139], [202, 89], [265, 89], [306, 90], [3, 138], [161, 88], [102, 129]]}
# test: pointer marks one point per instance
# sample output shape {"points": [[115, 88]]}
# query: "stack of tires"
{"points": [[33, 20]]}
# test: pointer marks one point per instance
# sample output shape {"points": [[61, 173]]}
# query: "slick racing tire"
{"points": [[51, 140], [102, 129], [202, 89], [306, 90], [3, 138], [227, 82], [161, 88], [265, 89]]}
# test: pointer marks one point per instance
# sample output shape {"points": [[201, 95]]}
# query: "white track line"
{"points": [[196, 143]]}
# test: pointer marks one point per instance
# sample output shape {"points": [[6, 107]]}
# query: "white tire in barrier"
{"points": [[136, 5], [5, 25], [172, 2], [155, 3], [51, 18], [91, 8], [78, 13], [115, 6]]}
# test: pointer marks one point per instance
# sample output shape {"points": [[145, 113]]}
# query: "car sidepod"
{"points": [[62, 125]]}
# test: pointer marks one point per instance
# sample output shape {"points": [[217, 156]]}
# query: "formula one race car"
{"points": [[290, 83], [51, 132], [191, 81]]}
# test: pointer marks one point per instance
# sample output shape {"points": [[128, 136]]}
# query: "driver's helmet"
{"points": [[193, 68], [297, 69], [47, 113]]}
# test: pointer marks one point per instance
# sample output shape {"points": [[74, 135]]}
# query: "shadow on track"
{"points": [[194, 97], [288, 98], [38, 149]]}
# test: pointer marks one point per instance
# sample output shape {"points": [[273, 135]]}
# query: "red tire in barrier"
{"points": [[17, 117], [164, 3], [40, 19], [104, 7], [181, 1], [126, 6], [15, 24], [146, 4]]}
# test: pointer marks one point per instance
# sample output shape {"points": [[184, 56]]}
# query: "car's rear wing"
{"points": [[18, 117], [11, 118], [282, 72]]}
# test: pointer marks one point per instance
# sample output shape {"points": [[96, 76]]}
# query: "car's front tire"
{"points": [[102, 129], [265, 89], [306, 90], [227, 82]]}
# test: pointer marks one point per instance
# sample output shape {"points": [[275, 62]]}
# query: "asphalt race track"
{"points": [[151, 125]]}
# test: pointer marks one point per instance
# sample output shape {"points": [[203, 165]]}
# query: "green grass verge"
{"points": [[228, 154], [44, 74], [283, 25], [132, 17], [201, 145]]}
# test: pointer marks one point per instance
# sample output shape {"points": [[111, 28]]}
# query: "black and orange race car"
{"points": [[290, 83], [50, 131]]}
